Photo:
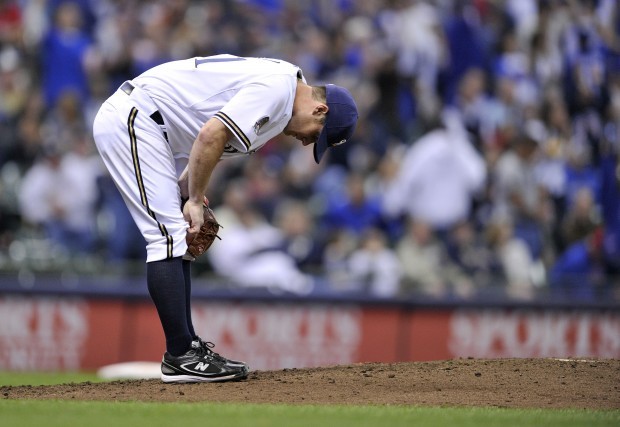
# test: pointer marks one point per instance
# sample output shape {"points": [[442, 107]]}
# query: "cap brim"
{"points": [[320, 146]]}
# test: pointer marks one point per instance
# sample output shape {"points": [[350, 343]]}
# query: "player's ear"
{"points": [[320, 109]]}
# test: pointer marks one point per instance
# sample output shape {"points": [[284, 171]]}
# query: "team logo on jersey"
{"points": [[259, 124]]}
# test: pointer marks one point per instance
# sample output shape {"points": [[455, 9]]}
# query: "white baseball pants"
{"points": [[139, 159]]}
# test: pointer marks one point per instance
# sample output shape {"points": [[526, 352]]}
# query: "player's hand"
{"points": [[193, 214]]}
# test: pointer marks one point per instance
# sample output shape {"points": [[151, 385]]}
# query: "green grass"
{"points": [[135, 414], [26, 413]]}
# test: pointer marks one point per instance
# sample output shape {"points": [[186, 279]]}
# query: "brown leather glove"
{"points": [[203, 240]]}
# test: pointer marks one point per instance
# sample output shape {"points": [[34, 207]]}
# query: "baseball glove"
{"points": [[203, 240]]}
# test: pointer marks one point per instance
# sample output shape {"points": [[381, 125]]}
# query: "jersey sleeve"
{"points": [[255, 108]]}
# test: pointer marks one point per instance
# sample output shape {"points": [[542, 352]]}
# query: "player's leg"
{"points": [[187, 271], [141, 164]]}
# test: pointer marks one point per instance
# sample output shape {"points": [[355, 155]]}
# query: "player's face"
{"points": [[306, 134], [307, 126]]}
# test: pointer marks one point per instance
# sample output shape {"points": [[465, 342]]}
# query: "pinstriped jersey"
{"points": [[253, 97]]}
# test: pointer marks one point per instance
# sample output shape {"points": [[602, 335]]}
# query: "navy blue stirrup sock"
{"points": [[166, 284], [188, 295]]}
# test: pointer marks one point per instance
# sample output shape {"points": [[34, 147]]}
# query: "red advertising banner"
{"points": [[492, 333], [63, 334]]}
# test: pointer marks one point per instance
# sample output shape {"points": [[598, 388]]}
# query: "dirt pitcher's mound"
{"points": [[517, 383]]}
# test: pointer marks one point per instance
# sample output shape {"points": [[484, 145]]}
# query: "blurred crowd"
{"points": [[485, 159]]}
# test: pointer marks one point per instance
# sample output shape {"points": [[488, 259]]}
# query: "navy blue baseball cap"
{"points": [[340, 120]]}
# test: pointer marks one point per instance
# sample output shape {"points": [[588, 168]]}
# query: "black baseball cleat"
{"points": [[199, 365], [207, 346]]}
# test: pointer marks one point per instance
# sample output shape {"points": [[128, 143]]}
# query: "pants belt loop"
{"points": [[128, 87]]}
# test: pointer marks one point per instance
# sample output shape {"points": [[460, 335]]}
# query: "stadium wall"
{"points": [[52, 332]]}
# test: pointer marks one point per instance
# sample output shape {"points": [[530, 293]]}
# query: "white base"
{"points": [[130, 370]]}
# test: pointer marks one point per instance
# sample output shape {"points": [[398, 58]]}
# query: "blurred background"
{"points": [[483, 171]]}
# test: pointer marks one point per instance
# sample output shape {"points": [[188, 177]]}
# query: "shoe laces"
{"points": [[206, 346]]}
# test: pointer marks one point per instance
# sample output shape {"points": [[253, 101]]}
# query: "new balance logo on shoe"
{"points": [[202, 366]]}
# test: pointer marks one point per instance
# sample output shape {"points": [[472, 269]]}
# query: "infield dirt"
{"points": [[514, 383]]}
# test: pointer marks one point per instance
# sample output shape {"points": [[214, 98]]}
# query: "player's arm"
{"points": [[184, 184], [206, 152]]}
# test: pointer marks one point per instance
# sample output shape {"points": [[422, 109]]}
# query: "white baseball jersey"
{"points": [[253, 97]]}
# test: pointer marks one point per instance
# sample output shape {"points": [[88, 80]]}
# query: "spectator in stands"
{"points": [[250, 255], [465, 39], [236, 200], [512, 64], [524, 14], [415, 32], [59, 194], [299, 172], [339, 246], [254, 252], [29, 134], [518, 196], [554, 150], [438, 178], [15, 81], [582, 219], [545, 60], [474, 266], [581, 172], [64, 121], [479, 113], [423, 259], [64, 52], [378, 183], [121, 240], [300, 239], [356, 212], [264, 188], [39, 199], [586, 76], [393, 110], [374, 266], [514, 258], [509, 114], [579, 272]]}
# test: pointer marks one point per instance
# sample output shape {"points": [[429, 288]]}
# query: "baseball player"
{"points": [[161, 135]]}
